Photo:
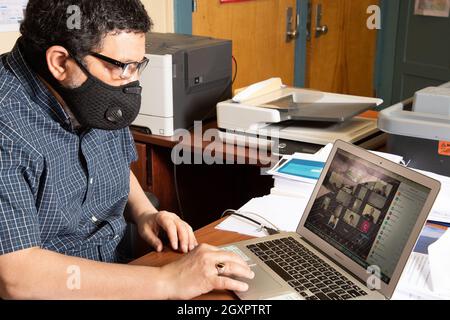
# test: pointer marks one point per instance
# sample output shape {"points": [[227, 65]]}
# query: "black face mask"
{"points": [[95, 104], [98, 105]]}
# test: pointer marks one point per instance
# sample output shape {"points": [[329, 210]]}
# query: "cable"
{"points": [[270, 231]]}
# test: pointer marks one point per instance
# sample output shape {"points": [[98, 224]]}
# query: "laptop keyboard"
{"points": [[310, 276]]}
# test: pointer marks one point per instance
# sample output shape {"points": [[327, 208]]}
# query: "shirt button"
{"points": [[91, 181], [94, 219], [116, 237]]}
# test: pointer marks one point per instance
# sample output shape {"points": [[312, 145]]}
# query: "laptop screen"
{"points": [[366, 212]]}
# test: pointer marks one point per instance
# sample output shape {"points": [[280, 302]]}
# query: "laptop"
{"points": [[355, 236]]}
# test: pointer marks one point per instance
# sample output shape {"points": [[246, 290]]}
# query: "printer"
{"points": [[185, 79], [296, 120], [419, 129]]}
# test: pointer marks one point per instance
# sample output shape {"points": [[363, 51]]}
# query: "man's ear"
{"points": [[57, 61]]}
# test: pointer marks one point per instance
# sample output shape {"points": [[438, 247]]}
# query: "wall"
{"points": [[161, 11], [7, 40]]}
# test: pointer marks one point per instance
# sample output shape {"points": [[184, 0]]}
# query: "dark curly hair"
{"points": [[45, 23]]}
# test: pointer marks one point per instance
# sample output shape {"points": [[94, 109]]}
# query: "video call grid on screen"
{"points": [[352, 205]]}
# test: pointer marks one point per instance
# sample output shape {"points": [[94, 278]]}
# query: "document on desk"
{"points": [[415, 282], [418, 277], [439, 256], [282, 211]]}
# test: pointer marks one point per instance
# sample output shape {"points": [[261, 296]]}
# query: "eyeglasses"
{"points": [[124, 70]]}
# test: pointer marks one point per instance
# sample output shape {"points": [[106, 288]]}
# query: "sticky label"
{"points": [[444, 148]]}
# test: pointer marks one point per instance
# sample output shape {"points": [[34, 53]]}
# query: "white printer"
{"points": [[185, 79], [300, 120]]}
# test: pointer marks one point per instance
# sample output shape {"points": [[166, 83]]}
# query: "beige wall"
{"points": [[161, 11], [162, 14], [7, 40]]}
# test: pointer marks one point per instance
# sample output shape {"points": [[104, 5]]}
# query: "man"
{"points": [[334, 219], [67, 97]]}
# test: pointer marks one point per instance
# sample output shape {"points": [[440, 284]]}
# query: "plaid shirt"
{"points": [[59, 190]]}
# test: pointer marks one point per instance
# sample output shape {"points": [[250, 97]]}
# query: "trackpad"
{"points": [[262, 284]]}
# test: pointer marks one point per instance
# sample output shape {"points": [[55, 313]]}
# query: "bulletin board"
{"points": [[11, 14]]}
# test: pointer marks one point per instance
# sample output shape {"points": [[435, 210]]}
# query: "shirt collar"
{"points": [[36, 89]]}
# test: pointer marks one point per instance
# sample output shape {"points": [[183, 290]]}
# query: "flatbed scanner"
{"points": [[296, 120]]}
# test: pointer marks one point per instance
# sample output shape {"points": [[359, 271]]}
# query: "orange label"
{"points": [[444, 148]]}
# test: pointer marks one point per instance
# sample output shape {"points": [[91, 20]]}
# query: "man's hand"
{"points": [[197, 273], [180, 234]]}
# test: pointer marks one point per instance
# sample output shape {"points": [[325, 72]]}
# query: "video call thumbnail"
{"points": [[352, 204]]}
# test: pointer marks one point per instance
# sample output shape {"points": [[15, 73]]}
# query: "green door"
{"points": [[422, 55]]}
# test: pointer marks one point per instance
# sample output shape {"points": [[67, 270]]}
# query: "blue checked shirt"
{"points": [[59, 190]]}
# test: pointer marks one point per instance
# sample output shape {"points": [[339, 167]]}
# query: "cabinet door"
{"points": [[139, 167], [423, 52]]}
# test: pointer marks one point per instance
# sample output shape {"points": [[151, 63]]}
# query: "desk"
{"points": [[211, 236], [208, 235], [202, 188]]}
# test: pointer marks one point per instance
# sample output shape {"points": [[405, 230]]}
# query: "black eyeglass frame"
{"points": [[140, 66]]}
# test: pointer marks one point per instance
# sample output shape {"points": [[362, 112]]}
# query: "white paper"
{"points": [[11, 14], [304, 190], [390, 157], [415, 282], [324, 153], [284, 212], [439, 256]]}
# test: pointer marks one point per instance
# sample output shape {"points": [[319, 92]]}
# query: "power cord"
{"points": [[269, 230]]}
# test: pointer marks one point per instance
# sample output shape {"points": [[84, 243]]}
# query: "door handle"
{"points": [[291, 25], [320, 29]]}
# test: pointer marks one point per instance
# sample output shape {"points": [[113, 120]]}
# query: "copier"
{"points": [[185, 79], [296, 120], [419, 129]]}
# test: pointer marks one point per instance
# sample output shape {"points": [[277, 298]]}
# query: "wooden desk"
{"points": [[207, 235], [211, 236], [203, 188]]}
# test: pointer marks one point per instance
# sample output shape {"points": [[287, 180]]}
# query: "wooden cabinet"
{"points": [[204, 191], [140, 167]]}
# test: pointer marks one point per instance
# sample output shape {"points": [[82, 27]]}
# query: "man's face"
{"points": [[124, 47]]}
